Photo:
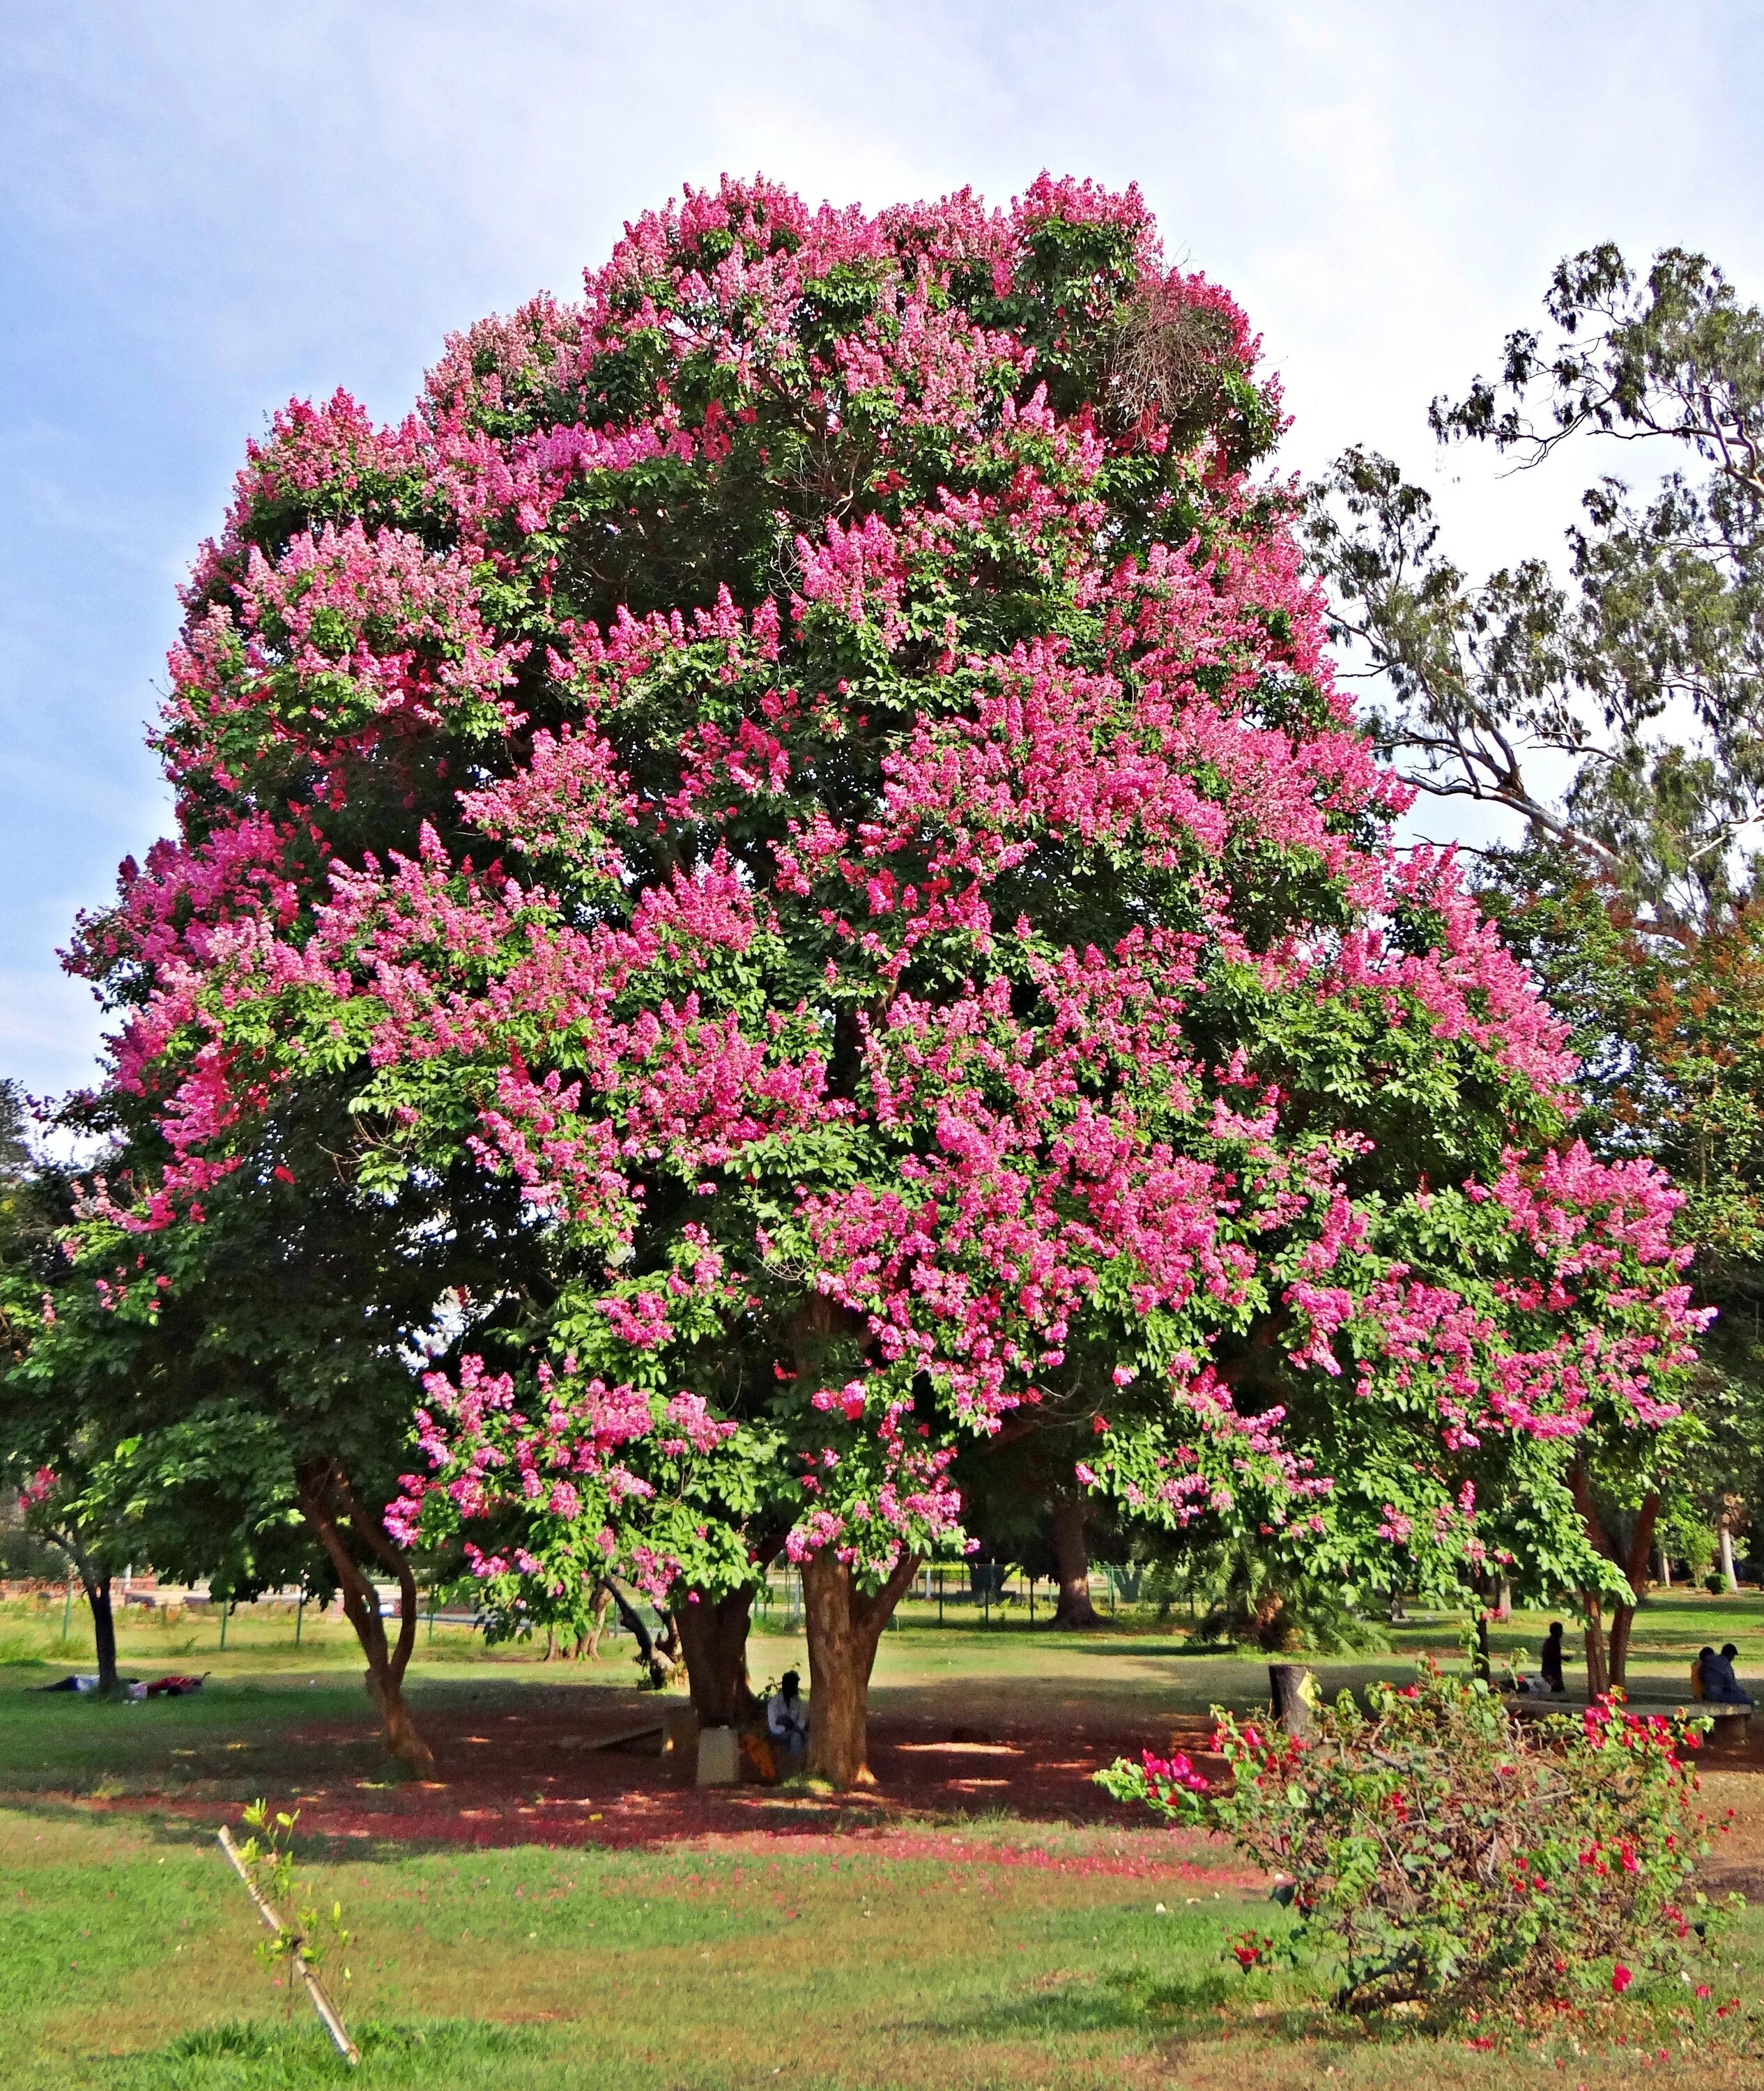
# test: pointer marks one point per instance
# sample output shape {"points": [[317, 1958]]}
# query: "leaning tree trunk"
{"points": [[1071, 1564], [713, 1639], [657, 1662], [1601, 1677], [328, 1504], [845, 1624]]}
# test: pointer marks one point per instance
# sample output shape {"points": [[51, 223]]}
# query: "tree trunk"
{"points": [[1597, 1680], [1621, 1621], [1503, 1600], [1292, 1690], [97, 1586], [1729, 1573], [713, 1639], [845, 1624], [103, 1629], [1635, 1567], [1483, 1666], [588, 1641], [1666, 1570], [329, 1505], [1071, 1564]]}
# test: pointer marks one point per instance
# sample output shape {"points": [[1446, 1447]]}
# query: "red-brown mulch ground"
{"points": [[535, 1776]]}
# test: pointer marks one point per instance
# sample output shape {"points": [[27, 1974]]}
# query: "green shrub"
{"points": [[1435, 1848]]}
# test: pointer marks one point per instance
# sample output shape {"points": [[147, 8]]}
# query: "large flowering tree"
{"points": [[794, 819]]}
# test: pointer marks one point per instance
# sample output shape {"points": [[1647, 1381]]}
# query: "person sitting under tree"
{"points": [[1721, 1687], [1550, 1659], [787, 1718]]}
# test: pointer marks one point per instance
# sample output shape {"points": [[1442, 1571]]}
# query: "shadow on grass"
{"points": [[253, 2054], [162, 1829], [1178, 2011]]}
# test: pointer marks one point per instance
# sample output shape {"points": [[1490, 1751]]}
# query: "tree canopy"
{"points": [[777, 884]]}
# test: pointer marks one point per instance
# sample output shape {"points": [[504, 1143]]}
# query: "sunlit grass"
{"points": [[129, 1963], [127, 1959]]}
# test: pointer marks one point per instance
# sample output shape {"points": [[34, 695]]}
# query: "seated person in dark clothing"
{"points": [[1550, 1659], [787, 1719], [1721, 1687]]}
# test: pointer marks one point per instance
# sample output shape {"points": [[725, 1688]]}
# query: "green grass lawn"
{"points": [[1000, 1953], [1129, 1660]]}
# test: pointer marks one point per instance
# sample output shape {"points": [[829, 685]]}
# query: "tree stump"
{"points": [[1294, 1691]]}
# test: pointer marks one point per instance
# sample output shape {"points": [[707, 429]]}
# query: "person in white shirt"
{"points": [[787, 1718]]}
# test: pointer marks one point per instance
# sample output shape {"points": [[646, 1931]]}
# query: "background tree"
{"points": [[1641, 682], [1637, 688], [40, 1441]]}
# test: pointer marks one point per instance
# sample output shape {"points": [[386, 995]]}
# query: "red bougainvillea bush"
{"points": [[790, 831], [1434, 1849]]}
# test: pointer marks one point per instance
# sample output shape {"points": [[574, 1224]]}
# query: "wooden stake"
{"points": [[315, 1988]]}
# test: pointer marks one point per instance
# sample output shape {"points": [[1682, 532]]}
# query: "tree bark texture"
{"points": [[1601, 1677], [1290, 1689], [1598, 1680], [1071, 1564], [713, 1638], [1635, 1567], [346, 1534], [103, 1631], [845, 1624], [1729, 1575]]}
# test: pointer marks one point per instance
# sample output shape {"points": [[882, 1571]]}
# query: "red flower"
{"points": [[1620, 1978]]}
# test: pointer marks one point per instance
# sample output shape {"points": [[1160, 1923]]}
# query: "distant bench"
{"points": [[1732, 1723]]}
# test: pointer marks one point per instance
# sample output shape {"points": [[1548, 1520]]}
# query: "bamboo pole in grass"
{"points": [[315, 1988]]}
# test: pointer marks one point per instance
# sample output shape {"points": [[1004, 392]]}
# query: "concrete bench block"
{"points": [[719, 1756]]}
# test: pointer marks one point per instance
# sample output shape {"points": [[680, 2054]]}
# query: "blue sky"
{"points": [[205, 209]]}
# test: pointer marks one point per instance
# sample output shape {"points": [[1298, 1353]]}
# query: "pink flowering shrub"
{"points": [[1433, 1848]]}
